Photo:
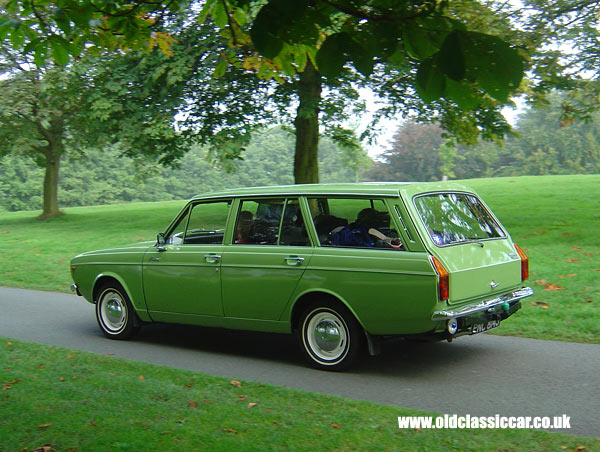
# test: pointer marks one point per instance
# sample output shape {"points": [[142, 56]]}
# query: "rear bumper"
{"points": [[483, 306]]}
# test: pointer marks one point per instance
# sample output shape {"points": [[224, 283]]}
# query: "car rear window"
{"points": [[452, 218]]}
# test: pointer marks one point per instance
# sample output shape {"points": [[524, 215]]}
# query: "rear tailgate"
{"points": [[480, 269], [465, 236]]}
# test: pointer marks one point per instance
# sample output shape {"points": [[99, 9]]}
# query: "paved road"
{"points": [[481, 375]]}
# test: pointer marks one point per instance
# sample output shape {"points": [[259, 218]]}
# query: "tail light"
{"points": [[524, 263], [443, 279]]}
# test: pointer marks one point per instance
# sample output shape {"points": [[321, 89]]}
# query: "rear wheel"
{"points": [[329, 336], [114, 312]]}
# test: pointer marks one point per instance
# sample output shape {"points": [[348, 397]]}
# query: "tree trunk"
{"points": [[52, 152], [306, 158]]}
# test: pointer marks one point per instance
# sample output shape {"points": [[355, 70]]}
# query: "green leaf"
{"points": [[219, 15], [240, 16], [331, 57], [220, 69], [60, 52], [398, 58], [497, 67], [361, 57], [423, 37], [430, 81], [464, 96], [451, 59], [263, 32]]}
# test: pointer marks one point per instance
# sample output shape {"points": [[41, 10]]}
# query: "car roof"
{"points": [[361, 188]]}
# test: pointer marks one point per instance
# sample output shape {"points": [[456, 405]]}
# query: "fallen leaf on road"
{"points": [[236, 383]]}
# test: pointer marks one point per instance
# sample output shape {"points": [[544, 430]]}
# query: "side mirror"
{"points": [[160, 242]]}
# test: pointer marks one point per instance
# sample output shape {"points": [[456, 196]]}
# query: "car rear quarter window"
{"points": [[452, 218], [354, 222]]}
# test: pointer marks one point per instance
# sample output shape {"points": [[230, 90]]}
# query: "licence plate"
{"points": [[481, 327]]}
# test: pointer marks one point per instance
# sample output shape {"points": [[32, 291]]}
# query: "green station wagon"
{"points": [[340, 266]]}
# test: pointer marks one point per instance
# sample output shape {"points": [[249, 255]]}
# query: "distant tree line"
{"points": [[543, 143], [96, 177], [418, 152]]}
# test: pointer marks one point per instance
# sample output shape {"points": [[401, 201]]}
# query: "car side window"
{"points": [[270, 222], [293, 229], [176, 235], [354, 222], [207, 222]]}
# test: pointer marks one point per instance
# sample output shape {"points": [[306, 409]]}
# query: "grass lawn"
{"points": [[76, 401], [556, 219]]}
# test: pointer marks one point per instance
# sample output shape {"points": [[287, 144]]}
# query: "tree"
{"points": [[543, 146], [268, 160], [414, 155], [46, 110], [565, 35], [35, 112], [313, 48]]}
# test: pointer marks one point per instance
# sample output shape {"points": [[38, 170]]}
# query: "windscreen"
{"points": [[452, 218]]}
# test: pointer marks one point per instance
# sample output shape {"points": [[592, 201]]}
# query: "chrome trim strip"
{"points": [[483, 305]]}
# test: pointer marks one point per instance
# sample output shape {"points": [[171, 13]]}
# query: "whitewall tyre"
{"points": [[114, 312]]}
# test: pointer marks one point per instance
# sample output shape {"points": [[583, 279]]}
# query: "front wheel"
{"points": [[114, 312], [330, 336]]}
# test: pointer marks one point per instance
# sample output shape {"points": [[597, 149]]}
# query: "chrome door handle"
{"points": [[155, 259], [294, 260], [212, 258]]}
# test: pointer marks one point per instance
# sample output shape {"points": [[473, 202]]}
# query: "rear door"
{"points": [[268, 256], [471, 244]]}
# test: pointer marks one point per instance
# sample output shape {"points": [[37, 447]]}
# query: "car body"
{"points": [[341, 266]]}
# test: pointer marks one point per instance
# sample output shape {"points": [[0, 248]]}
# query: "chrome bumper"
{"points": [[75, 289], [482, 305]]}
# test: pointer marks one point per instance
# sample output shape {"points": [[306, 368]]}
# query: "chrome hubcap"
{"points": [[113, 311], [326, 336]]}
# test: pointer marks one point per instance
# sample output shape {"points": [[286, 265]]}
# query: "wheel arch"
{"points": [[106, 277], [308, 297]]}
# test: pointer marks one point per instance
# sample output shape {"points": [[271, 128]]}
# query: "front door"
{"points": [[183, 276]]}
